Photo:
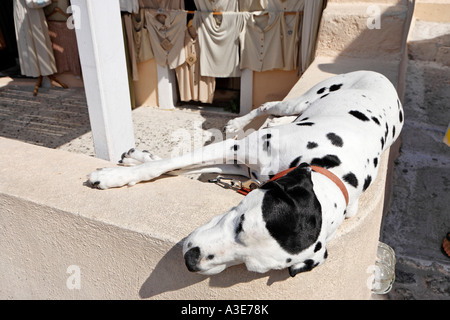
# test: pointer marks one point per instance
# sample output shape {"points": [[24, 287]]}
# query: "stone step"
{"points": [[432, 10], [430, 41], [363, 29]]}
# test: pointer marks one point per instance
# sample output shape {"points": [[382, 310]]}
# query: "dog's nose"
{"points": [[191, 258]]}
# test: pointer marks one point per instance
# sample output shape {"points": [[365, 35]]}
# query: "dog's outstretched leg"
{"points": [[216, 153]]}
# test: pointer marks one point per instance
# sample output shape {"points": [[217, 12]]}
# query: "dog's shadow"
{"points": [[171, 274]]}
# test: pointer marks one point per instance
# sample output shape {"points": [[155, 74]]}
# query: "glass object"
{"points": [[384, 271]]}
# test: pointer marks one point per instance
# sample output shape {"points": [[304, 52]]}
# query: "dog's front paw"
{"points": [[112, 177], [234, 125], [135, 157]]}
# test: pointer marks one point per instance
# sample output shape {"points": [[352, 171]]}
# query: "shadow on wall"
{"points": [[169, 276]]}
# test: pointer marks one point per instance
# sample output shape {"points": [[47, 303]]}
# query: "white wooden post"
{"points": [[102, 56], [246, 91]]}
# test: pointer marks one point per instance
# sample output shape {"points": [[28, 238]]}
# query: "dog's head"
{"points": [[275, 227]]}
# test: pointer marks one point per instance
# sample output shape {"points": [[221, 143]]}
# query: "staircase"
{"points": [[368, 35]]}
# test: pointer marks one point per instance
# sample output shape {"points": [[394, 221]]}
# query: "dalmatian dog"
{"points": [[332, 148]]}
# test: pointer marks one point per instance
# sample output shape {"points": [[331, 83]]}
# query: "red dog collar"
{"points": [[317, 169]]}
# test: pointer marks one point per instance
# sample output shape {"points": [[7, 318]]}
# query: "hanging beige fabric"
{"points": [[291, 25], [141, 37], [192, 86], [57, 10], [166, 30], [65, 47], [252, 5], [262, 43], [162, 4], [33, 41], [218, 36], [130, 6], [285, 5], [130, 46], [217, 5], [311, 19]]}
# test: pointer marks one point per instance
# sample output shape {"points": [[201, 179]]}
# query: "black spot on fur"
{"points": [[288, 260], [351, 179], [376, 120], [312, 145], [386, 132], [318, 246], [375, 162], [267, 136], [335, 87], [321, 90], [329, 161], [400, 116], [235, 147], [393, 131], [309, 124], [335, 139], [266, 145], [295, 162], [239, 227], [324, 95], [382, 143], [359, 115], [367, 182], [325, 255]]}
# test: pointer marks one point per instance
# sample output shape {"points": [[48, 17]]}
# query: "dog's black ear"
{"points": [[291, 210]]}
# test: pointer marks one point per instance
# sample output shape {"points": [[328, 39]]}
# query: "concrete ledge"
{"points": [[127, 242]]}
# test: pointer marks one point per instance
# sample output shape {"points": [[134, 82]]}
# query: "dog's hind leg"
{"points": [[293, 107]]}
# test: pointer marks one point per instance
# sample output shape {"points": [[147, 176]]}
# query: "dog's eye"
{"points": [[210, 257]]}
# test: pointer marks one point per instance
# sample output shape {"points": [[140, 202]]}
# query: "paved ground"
{"points": [[51, 119], [419, 216], [58, 118]]}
